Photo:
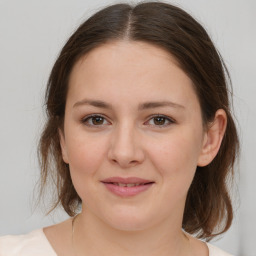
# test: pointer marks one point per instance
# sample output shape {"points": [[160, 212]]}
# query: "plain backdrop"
{"points": [[32, 33]]}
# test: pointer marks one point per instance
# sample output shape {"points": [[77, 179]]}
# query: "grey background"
{"points": [[31, 34]]}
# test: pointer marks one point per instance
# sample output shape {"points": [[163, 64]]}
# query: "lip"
{"points": [[126, 180], [127, 191]]}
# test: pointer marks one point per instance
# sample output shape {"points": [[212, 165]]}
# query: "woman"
{"points": [[139, 136]]}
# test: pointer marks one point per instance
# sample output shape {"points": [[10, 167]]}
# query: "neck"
{"points": [[94, 237]]}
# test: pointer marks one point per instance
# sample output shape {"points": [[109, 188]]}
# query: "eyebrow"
{"points": [[157, 104], [142, 106], [95, 103]]}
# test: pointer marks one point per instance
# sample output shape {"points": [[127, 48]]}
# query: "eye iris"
{"points": [[96, 120], [159, 120]]}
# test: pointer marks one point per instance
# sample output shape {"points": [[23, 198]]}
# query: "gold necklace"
{"points": [[73, 232]]}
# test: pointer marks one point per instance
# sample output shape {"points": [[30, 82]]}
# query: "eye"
{"points": [[95, 120], [160, 120]]}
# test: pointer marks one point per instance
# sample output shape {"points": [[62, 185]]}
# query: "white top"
{"points": [[36, 244]]}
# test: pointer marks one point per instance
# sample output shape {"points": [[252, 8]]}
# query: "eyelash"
{"points": [[166, 118]]}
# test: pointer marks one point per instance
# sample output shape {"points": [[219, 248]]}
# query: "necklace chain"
{"points": [[73, 232]]}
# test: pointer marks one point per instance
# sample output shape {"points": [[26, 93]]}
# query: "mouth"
{"points": [[128, 184], [127, 180], [127, 187]]}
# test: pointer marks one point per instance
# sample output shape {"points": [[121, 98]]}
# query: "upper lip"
{"points": [[129, 180]]}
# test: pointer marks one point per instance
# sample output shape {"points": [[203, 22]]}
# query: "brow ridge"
{"points": [[142, 106]]}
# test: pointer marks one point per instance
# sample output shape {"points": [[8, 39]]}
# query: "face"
{"points": [[132, 112]]}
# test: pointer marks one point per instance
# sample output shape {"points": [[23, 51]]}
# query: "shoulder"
{"points": [[203, 248], [33, 243], [215, 251]]}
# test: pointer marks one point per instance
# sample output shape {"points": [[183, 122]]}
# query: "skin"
{"points": [[128, 141]]}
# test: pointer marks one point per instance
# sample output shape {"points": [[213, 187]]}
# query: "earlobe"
{"points": [[63, 146], [213, 138]]}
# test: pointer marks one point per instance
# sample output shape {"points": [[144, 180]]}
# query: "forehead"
{"points": [[124, 68], [125, 54]]}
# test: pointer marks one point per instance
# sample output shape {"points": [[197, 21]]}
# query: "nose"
{"points": [[125, 147]]}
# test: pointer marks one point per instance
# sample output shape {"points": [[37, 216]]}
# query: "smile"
{"points": [[127, 189], [128, 185]]}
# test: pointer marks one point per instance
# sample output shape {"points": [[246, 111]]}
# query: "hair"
{"points": [[208, 210]]}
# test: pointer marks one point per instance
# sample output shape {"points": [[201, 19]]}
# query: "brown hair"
{"points": [[208, 207]]}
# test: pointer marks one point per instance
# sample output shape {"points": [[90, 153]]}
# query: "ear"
{"points": [[63, 146], [213, 138]]}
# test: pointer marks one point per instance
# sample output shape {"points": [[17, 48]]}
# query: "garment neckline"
{"points": [[47, 242], [209, 246]]}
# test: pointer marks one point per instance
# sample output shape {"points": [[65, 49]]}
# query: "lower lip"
{"points": [[127, 191]]}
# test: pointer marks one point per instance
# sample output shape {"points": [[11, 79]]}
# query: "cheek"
{"points": [[85, 151], [176, 159], [85, 157]]}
